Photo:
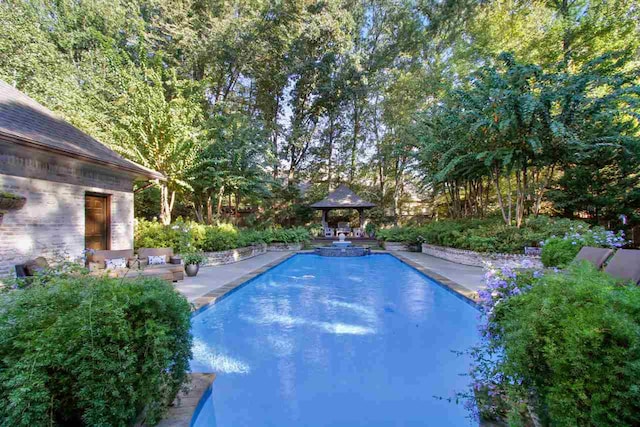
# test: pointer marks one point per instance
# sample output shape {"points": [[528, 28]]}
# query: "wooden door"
{"points": [[96, 222]]}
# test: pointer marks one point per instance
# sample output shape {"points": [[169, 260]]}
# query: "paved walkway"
{"points": [[468, 276], [212, 278]]}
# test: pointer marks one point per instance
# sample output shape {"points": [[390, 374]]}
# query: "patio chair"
{"points": [[328, 232], [625, 265], [344, 227], [596, 256], [357, 232]]}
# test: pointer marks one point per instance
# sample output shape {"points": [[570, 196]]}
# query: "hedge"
{"points": [[187, 236], [486, 235], [91, 351], [566, 344]]}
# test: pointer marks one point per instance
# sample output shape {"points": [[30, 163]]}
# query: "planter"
{"points": [[479, 259], [233, 255], [13, 202], [394, 246], [191, 269]]}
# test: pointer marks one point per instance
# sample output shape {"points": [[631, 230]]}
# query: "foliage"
{"points": [[180, 236], [283, 235], [468, 107], [489, 235], [565, 343], [89, 350], [559, 252], [193, 258], [186, 236]]}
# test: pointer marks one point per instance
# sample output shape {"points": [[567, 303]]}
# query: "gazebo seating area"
{"points": [[342, 198]]}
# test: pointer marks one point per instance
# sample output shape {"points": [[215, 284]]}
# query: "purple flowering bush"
{"points": [[560, 347], [560, 251]]}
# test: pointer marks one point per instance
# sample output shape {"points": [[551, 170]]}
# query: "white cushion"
{"points": [[157, 259], [115, 263]]}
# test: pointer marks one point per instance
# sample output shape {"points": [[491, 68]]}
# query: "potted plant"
{"points": [[11, 201], [192, 261]]}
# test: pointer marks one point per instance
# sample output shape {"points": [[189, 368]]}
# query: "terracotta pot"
{"points": [[12, 202], [191, 269]]}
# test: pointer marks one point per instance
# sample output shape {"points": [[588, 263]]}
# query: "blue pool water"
{"points": [[341, 342]]}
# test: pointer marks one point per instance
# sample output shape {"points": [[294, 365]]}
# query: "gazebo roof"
{"points": [[342, 197]]}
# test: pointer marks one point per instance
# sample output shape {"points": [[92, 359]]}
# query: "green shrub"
{"points": [[219, 238], [284, 235], [185, 237], [558, 252], [180, 236], [491, 234], [193, 258], [573, 341], [92, 351]]}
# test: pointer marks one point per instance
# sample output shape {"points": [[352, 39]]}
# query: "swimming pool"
{"points": [[324, 341]]}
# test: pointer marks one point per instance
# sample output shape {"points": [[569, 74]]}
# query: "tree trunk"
{"points": [[167, 199], [220, 197], [209, 210]]}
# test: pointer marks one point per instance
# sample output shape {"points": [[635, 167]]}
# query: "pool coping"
{"points": [[186, 406], [466, 293], [188, 401]]}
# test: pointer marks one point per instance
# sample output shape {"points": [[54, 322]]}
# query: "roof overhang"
{"points": [[139, 171]]}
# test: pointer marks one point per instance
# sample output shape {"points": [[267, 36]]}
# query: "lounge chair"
{"points": [[596, 256], [625, 265]]}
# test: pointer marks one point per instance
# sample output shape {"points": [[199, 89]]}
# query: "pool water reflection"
{"points": [[323, 341]]}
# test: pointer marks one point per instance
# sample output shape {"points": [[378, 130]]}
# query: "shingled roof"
{"points": [[25, 121], [342, 197]]}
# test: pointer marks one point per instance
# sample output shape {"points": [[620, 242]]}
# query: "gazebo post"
{"points": [[324, 217], [361, 215]]}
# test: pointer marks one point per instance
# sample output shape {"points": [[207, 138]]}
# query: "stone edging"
{"points": [[478, 259], [233, 255], [469, 295], [394, 246], [186, 403], [284, 247]]}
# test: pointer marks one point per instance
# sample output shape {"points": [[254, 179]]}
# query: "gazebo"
{"points": [[342, 198]]}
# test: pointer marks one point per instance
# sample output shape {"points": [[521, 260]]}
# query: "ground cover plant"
{"points": [[564, 346], [82, 350]]}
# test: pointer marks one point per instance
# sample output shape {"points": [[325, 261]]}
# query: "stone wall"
{"points": [[233, 255], [394, 246], [478, 259], [283, 247], [52, 221]]}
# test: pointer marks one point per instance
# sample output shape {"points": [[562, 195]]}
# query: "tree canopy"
{"points": [[427, 108]]}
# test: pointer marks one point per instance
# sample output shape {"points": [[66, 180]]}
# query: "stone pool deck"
{"points": [[468, 276], [213, 282]]}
